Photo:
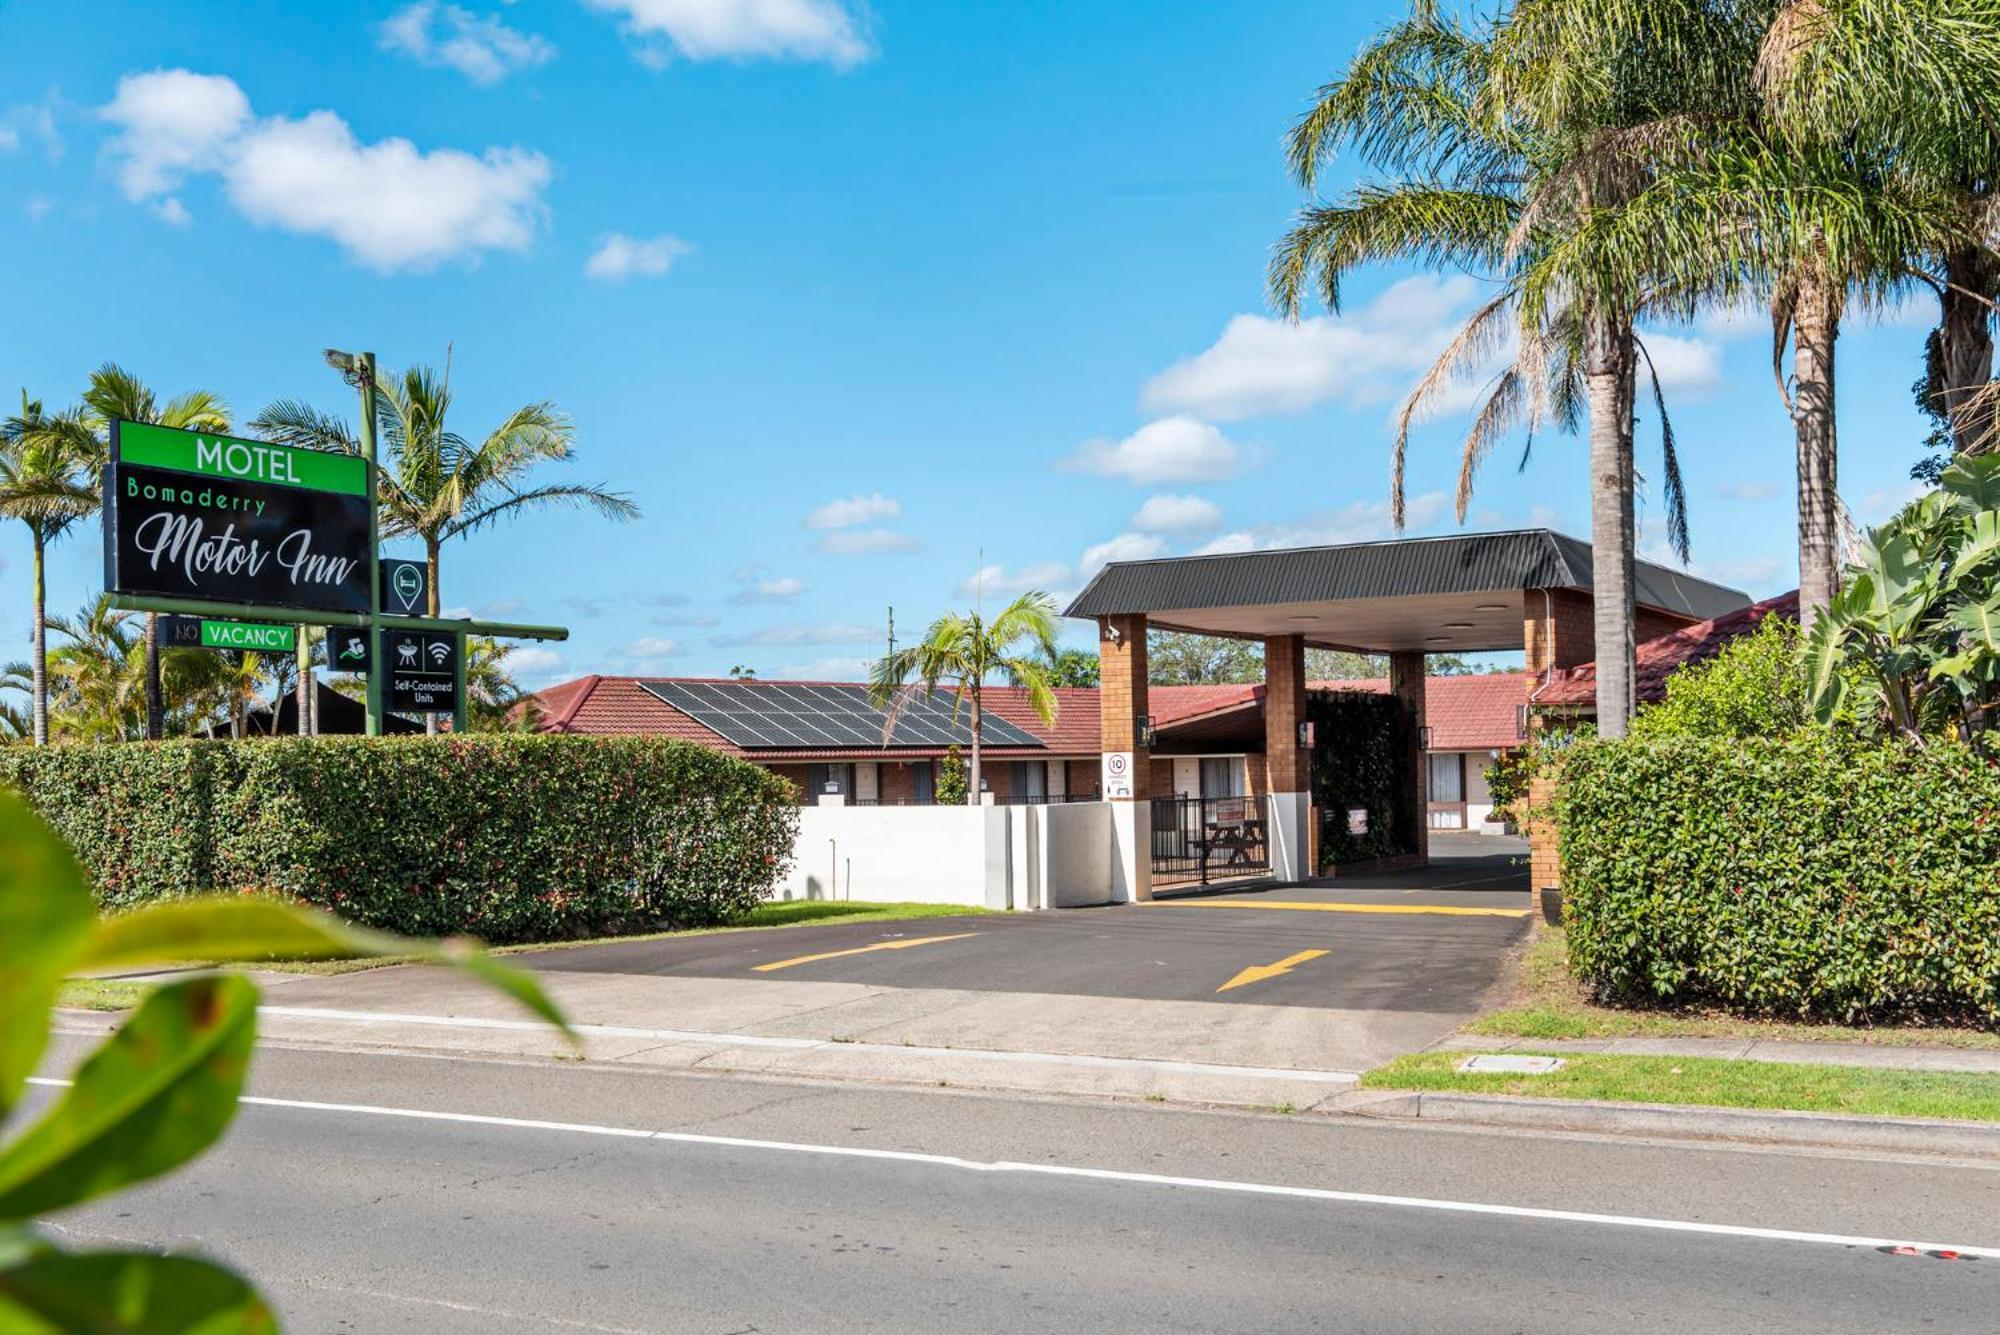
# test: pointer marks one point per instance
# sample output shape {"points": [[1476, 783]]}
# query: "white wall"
{"points": [[1002, 857]]}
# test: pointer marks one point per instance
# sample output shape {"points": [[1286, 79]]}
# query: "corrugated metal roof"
{"points": [[1461, 563]]}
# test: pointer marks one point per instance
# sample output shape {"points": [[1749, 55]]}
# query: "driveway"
{"points": [[1429, 941]]}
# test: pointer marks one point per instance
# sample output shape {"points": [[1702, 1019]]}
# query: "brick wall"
{"points": [[1544, 865], [1287, 765], [797, 775], [1571, 639], [1121, 653], [1406, 683], [1084, 778]]}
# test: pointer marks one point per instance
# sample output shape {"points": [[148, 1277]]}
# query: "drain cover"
{"points": [[1500, 1063]]}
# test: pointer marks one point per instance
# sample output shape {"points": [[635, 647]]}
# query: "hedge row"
{"points": [[507, 838], [1800, 876]]}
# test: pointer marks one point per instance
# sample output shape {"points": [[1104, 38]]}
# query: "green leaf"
{"points": [[1982, 623], [44, 916], [1826, 652], [129, 1293], [260, 929], [1974, 479], [152, 1096]]}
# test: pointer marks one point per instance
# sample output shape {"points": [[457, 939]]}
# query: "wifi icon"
{"points": [[440, 653]]}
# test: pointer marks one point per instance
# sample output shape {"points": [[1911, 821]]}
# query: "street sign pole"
{"points": [[367, 378], [458, 705]]}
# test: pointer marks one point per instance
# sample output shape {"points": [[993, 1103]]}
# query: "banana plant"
{"points": [[155, 1094], [1912, 641]]}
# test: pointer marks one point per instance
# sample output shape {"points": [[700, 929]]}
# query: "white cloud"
{"points": [[32, 120], [1173, 449], [997, 580], [534, 665], [824, 669], [745, 29], [480, 47], [673, 619], [755, 584], [1886, 502], [1361, 521], [855, 510], [173, 212], [619, 257], [1747, 491], [796, 634], [1692, 366], [171, 123], [1167, 513], [865, 542], [39, 207], [1124, 547], [654, 646], [388, 204], [1261, 365]]}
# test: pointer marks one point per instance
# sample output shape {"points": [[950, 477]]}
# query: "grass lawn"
{"points": [[1715, 1082], [1547, 1003], [101, 994]]}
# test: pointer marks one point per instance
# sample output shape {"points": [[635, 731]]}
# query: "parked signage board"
{"points": [[190, 514], [422, 668], [261, 637], [347, 650], [405, 587], [1117, 774]]}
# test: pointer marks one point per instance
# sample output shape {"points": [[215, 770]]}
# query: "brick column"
{"points": [[1406, 683], [1544, 858], [1121, 703], [1287, 765]]}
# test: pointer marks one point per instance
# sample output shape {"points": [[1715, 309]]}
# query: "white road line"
{"points": [[1159, 1065], [1129, 1178]]}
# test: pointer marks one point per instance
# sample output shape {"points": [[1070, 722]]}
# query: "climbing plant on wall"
{"points": [[1362, 745]]}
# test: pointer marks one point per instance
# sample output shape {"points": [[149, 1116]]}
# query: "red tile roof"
{"points": [[1465, 713], [1657, 658]]}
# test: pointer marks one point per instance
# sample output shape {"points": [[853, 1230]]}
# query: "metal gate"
{"points": [[1204, 839]]}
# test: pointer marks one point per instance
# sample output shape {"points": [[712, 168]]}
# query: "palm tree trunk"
{"points": [[1965, 349], [38, 707], [302, 686], [1816, 324], [1608, 377], [155, 705], [972, 782], [432, 604]]}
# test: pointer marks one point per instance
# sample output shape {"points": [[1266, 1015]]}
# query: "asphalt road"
{"points": [[1430, 941], [758, 1216]]}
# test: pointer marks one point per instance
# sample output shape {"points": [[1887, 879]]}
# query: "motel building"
{"points": [[1136, 786]]}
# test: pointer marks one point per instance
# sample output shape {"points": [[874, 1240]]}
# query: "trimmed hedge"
{"points": [[1361, 758], [1800, 876], [510, 838]]}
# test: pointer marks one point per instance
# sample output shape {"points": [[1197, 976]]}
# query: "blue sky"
{"points": [[854, 301]]}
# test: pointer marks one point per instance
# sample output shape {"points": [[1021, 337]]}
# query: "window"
{"points": [[824, 779], [1447, 776], [923, 782], [1222, 776], [1027, 781]]}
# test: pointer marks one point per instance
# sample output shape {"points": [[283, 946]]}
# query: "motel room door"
{"points": [[1447, 790]]}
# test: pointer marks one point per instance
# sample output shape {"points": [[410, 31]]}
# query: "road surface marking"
{"points": [[1257, 973], [372, 1019], [1313, 906], [861, 950], [958, 1164]]}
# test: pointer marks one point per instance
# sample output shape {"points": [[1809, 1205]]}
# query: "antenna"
{"points": [[892, 630]]}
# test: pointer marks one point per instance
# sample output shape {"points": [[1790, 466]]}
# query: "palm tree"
{"points": [[494, 703], [14, 721], [964, 649], [48, 481], [1500, 155], [437, 485], [116, 394], [98, 676]]}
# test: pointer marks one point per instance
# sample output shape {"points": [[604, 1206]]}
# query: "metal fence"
{"points": [[1204, 839]]}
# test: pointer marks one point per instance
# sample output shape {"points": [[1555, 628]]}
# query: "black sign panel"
{"points": [[347, 649], [422, 668], [179, 632], [405, 587], [188, 515]]}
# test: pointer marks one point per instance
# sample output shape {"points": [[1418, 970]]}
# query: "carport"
{"points": [[1527, 589]]}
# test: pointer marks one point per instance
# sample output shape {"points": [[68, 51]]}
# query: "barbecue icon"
{"points": [[406, 652]]}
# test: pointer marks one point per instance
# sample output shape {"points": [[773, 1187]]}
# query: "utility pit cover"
{"points": [[1500, 1063]]}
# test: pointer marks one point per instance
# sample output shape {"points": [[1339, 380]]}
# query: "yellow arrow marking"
{"points": [[1448, 910], [861, 950], [1257, 973]]}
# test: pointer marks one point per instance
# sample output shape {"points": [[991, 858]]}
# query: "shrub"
{"points": [[953, 784], [1801, 876], [1755, 687], [509, 838], [1361, 759]]}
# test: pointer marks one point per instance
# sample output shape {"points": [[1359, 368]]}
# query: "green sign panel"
{"points": [[262, 637], [241, 460]]}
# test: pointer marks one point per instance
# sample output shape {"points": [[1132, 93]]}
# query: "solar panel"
{"points": [[767, 716]]}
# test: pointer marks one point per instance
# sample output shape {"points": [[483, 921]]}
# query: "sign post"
{"points": [[364, 367]]}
